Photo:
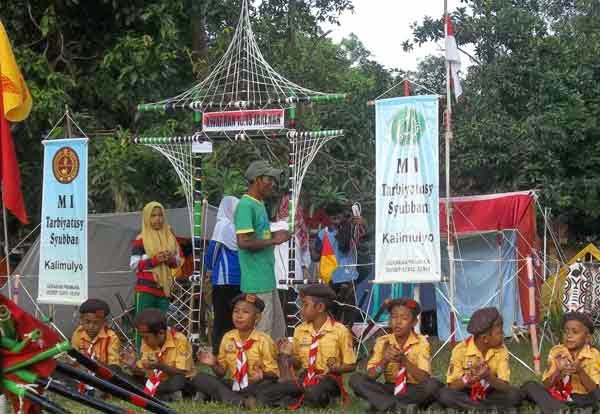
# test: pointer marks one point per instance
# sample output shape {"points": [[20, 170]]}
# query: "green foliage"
{"points": [[106, 57], [530, 113], [554, 323]]}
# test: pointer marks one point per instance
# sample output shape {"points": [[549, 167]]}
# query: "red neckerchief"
{"points": [[480, 388], [315, 379], [311, 372], [89, 351], [400, 383], [240, 377], [156, 376], [562, 389]]}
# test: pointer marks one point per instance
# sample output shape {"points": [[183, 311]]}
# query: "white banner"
{"points": [[407, 246], [63, 265]]}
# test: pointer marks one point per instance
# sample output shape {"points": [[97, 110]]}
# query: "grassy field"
{"points": [[519, 375]]}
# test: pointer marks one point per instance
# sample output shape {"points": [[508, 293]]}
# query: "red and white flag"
{"points": [[453, 57]]}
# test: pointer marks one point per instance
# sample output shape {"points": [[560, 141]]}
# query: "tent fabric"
{"points": [[109, 246], [486, 275], [553, 288], [478, 221], [495, 212]]}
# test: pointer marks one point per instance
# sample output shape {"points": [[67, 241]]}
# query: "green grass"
{"points": [[519, 375]]}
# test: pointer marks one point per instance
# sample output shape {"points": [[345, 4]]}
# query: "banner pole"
{"points": [[448, 139]]}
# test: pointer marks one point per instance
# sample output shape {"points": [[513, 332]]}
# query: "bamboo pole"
{"points": [[108, 374], [106, 386], [448, 140], [48, 353], [532, 316]]}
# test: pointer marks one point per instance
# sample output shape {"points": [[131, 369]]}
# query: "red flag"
{"points": [[12, 197], [453, 57], [24, 324]]}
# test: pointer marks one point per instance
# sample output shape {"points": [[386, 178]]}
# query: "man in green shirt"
{"points": [[255, 244]]}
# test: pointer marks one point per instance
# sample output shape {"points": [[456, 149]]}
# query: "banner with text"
{"points": [[63, 274], [407, 224]]}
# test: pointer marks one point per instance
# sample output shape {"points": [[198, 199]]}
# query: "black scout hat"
{"points": [[482, 320]]}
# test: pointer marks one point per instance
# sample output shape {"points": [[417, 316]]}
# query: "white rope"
{"points": [[412, 83], [241, 78], [14, 249], [520, 361]]}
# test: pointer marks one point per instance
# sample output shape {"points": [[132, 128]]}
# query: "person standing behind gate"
{"points": [[255, 244], [344, 234], [154, 253], [222, 264]]}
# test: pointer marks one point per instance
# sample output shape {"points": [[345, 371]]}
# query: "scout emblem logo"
{"points": [[65, 165]]}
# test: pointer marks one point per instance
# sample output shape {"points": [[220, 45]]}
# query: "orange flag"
{"points": [[15, 105], [328, 262]]}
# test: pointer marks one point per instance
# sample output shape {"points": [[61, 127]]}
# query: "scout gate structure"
{"points": [[242, 100]]}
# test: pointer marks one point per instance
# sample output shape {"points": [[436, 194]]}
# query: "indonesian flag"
{"points": [[328, 262], [453, 57], [15, 105]]}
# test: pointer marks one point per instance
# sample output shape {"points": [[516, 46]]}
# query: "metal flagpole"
{"points": [[448, 139]]}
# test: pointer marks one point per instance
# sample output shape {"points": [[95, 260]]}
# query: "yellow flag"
{"points": [[17, 99], [328, 263]]}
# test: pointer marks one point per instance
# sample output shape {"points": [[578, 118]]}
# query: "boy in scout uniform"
{"points": [[165, 365], [321, 350], [247, 359], [94, 339], [573, 374], [403, 357], [479, 371]]}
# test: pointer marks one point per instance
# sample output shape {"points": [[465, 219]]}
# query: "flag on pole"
{"points": [[328, 262], [15, 105], [453, 57]]}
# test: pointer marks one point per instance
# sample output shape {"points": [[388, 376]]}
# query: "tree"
{"points": [[530, 110]]}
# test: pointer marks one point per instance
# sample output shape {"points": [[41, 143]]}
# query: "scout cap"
{"points": [[482, 320]]}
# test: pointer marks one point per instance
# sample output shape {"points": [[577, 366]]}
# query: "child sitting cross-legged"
{"points": [[247, 360], [479, 371], [573, 374], [320, 353], [403, 357], [166, 365]]}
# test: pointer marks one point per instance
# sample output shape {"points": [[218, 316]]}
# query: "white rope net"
{"points": [[241, 79]]}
